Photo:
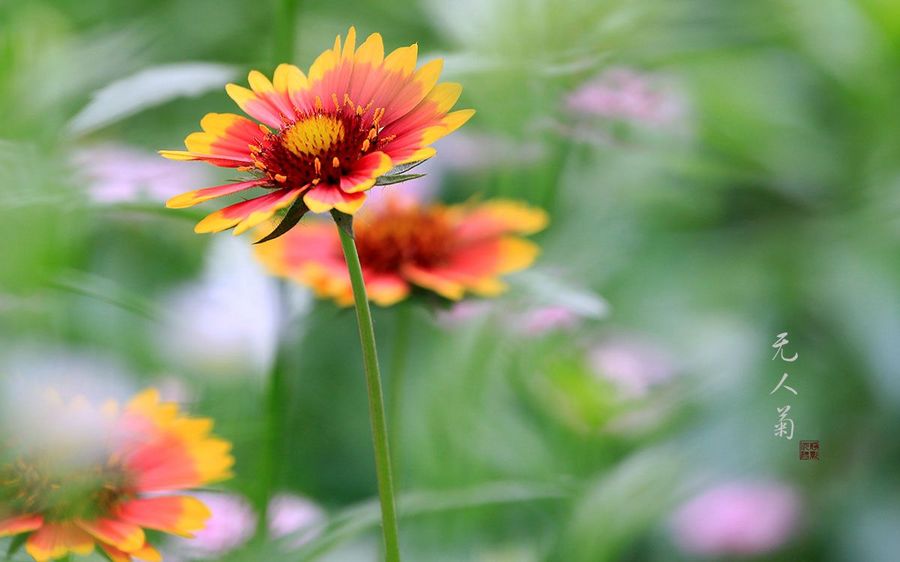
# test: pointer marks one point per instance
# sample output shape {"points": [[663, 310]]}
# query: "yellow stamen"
{"points": [[280, 178], [318, 164], [313, 135], [335, 162], [365, 145]]}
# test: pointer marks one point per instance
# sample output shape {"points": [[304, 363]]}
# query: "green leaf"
{"points": [[290, 220], [16, 544], [390, 180], [403, 168]]}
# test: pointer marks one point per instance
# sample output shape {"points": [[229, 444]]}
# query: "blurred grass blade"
{"points": [[104, 290], [149, 88], [357, 519]]}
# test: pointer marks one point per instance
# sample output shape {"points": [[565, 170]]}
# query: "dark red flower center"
{"points": [[319, 145], [404, 235]]}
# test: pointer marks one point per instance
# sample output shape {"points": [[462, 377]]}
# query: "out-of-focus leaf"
{"points": [[148, 88], [600, 527]]}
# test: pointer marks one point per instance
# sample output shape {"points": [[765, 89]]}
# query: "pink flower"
{"points": [[121, 174], [232, 524], [621, 93], [737, 519], [542, 320], [291, 515], [632, 365]]}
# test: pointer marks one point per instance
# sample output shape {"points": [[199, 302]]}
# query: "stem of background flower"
{"points": [[344, 224], [275, 411], [285, 20], [397, 378]]}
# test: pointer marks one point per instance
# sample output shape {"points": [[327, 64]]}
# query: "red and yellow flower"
{"points": [[449, 250], [71, 499], [325, 136]]}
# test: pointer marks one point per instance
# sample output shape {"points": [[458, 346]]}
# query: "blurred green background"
{"points": [[716, 173]]}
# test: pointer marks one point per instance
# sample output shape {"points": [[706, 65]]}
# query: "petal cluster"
{"points": [[448, 250], [324, 136], [133, 482]]}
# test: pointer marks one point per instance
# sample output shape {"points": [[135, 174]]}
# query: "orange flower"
{"points": [[326, 136], [70, 498], [449, 250]]}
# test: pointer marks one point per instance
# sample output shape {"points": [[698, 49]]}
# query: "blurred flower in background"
{"points": [[292, 520], [449, 250], [231, 524], [113, 173], [624, 94], [76, 474], [226, 323], [632, 364], [356, 115], [737, 519]]}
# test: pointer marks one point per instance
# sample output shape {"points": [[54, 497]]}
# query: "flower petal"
{"points": [[365, 171], [148, 554], [498, 217], [225, 134], [115, 554], [254, 105], [192, 198], [178, 452], [433, 280], [55, 540], [324, 197], [385, 289], [180, 515], [20, 524], [215, 160], [247, 214], [412, 133], [127, 537]]}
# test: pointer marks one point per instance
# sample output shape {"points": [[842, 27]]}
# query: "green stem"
{"points": [[285, 19], [344, 224], [273, 445], [397, 379]]}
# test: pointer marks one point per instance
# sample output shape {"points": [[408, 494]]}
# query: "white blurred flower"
{"points": [[48, 396], [113, 173], [227, 322]]}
